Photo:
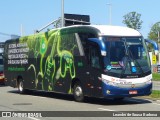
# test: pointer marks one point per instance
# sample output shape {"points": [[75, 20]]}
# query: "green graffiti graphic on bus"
{"points": [[45, 49]]}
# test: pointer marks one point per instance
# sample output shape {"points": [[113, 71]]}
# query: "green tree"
{"points": [[153, 34], [132, 20]]}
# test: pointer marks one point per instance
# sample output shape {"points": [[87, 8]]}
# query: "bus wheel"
{"points": [[78, 92], [20, 87]]}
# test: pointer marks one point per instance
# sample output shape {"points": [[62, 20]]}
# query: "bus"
{"points": [[83, 60]]}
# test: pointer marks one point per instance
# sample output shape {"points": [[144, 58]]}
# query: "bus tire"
{"points": [[20, 86], [78, 93]]}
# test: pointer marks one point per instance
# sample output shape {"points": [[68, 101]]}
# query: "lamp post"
{"points": [[158, 36], [62, 10], [110, 13], [158, 32]]}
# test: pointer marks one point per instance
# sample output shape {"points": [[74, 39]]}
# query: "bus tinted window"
{"points": [[68, 42], [126, 54]]}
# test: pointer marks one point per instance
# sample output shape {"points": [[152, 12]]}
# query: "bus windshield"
{"points": [[126, 56]]}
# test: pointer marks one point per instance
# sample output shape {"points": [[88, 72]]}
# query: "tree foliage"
{"points": [[153, 34], [132, 20]]}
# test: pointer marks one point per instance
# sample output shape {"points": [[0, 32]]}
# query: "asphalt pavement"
{"points": [[59, 104]]}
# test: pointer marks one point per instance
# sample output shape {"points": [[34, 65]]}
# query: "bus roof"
{"points": [[103, 30], [116, 30], [108, 30]]}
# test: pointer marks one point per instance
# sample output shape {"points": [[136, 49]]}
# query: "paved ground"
{"points": [[11, 100]]}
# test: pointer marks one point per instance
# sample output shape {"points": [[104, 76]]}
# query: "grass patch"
{"points": [[156, 76], [155, 94]]}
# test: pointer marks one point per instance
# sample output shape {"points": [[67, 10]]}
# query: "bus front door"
{"points": [[95, 69]]}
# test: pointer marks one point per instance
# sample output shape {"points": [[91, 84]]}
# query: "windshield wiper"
{"points": [[136, 62], [125, 57]]}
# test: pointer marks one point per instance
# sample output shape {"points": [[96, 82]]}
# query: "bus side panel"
{"points": [[89, 77], [43, 61], [48, 62]]}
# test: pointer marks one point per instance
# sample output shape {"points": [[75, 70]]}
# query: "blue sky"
{"points": [[34, 14]]}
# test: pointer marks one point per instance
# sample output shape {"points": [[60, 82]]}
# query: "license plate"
{"points": [[132, 92]]}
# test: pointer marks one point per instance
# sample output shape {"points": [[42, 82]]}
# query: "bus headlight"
{"points": [[149, 82], [108, 91]]}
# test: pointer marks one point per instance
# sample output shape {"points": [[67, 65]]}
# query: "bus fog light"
{"points": [[108, 91]]}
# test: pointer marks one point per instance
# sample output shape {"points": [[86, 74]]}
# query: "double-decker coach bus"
{"points": [[83, 60]]}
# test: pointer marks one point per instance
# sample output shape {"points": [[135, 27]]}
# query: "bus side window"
{"points": [[94, 55], [69, 43]]}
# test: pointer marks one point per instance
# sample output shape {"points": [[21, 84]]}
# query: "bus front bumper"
{"points": [[110, 91]]}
